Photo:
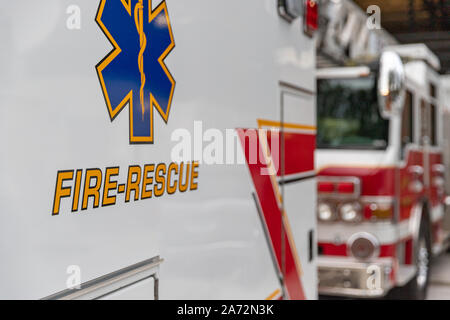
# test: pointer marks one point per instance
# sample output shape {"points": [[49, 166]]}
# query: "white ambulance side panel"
{"points": [[228, 59]]}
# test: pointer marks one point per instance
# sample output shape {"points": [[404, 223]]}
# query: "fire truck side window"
{"points": [[433, 139], [407, 121], [425, 123], [432, 90]]}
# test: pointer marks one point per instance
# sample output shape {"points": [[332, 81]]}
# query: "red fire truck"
{"points": [[381, 174]]}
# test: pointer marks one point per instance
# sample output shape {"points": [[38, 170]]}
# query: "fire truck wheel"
{"points": [[417, 288]]}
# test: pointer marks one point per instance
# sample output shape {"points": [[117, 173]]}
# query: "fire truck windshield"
{"points": [[348, 116]]}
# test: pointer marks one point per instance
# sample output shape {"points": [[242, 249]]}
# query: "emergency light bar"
{"points": [[311, 17]]}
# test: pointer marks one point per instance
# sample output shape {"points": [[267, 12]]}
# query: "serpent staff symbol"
{"points": [[139, 20]]}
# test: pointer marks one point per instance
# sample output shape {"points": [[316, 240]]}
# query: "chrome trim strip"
{"points": [[90, 287], [278, 272], [296, 177]]}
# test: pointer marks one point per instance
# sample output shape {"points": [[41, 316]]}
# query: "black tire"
{"points": [[417, 288]]}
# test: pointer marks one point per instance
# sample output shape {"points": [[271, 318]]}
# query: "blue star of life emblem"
{"points": [[134, 72]]}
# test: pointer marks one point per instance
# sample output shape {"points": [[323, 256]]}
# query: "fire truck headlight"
{"points": [[325, 212], [350, 212], [363, 246]]}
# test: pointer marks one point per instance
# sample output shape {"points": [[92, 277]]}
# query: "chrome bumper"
{"points": [[343, 276]]}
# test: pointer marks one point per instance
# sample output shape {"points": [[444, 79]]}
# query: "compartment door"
{"points": [[298, 185]]}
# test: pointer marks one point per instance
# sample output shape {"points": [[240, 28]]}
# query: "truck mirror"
{"points": [[391, 84]]}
